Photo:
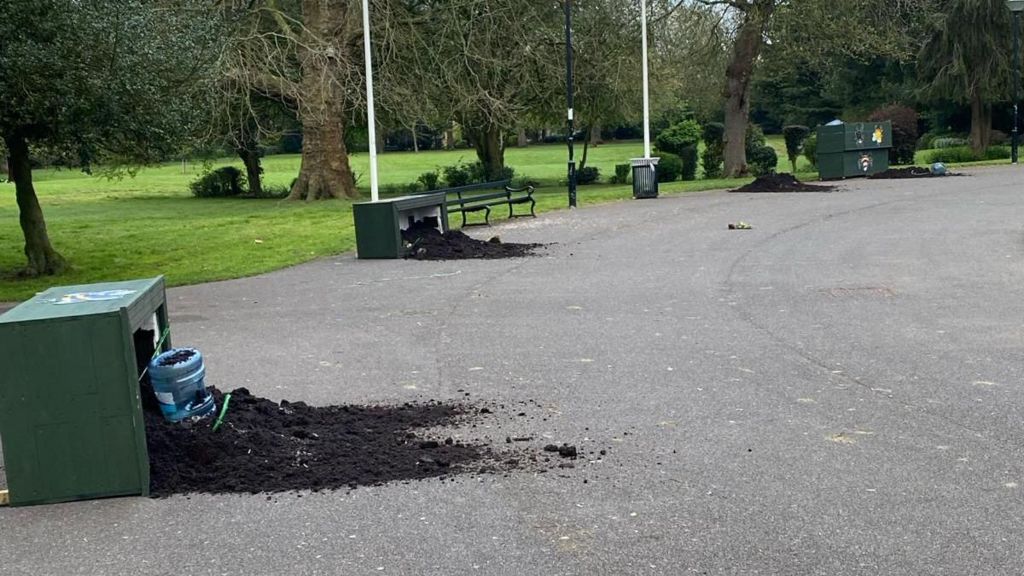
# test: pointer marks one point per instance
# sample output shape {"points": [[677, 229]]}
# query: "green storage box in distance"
{"points": [[70, 412], [853, 149], [379, 224]]}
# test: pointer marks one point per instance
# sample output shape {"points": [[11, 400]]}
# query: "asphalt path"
{"points": [[836, 391]]}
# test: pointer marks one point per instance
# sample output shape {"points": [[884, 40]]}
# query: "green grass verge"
{"points": [[149, 225]]}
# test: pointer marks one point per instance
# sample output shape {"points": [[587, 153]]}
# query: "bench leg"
{"points": [[487, 215]]}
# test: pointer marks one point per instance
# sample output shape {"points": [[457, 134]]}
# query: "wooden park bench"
{"points": [[477, 197]]}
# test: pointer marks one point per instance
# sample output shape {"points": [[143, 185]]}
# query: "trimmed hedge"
{"points": [[224, 182]]}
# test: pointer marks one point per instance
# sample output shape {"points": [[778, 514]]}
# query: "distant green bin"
{"points": [[70, 411], [853, 149], [379, 224]]}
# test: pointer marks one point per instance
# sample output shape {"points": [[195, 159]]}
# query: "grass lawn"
{"points": [[149, 224]]}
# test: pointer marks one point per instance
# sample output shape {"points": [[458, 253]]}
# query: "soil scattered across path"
{"points": [[781, 183], [908, 172], [263, 446], [427, 243]]}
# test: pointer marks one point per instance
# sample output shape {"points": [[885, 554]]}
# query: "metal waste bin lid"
{"points": [[644, 161]]}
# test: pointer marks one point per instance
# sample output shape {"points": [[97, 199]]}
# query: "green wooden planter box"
{"points": [[379, 224], [70, 411], [853, 149]]}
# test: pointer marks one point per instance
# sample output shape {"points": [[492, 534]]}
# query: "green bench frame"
{"points": [[477, 197]]}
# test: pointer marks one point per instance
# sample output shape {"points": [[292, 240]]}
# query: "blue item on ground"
{"points": [[939, 169], [178, 377]]}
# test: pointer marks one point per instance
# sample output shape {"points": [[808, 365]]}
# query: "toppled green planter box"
{"points": [[70, 412]]}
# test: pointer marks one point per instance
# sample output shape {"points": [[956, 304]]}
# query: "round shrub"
{"points": [[811, 149], [223, 182], [588, 175], [670, 167], [676, 138], [762, 161]]}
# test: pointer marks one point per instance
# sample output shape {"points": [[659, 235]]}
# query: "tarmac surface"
{"points": [[836, 391]]}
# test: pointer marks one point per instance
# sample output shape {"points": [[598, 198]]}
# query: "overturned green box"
{"points": [[853, 149], [379, 224], [70, 412]]}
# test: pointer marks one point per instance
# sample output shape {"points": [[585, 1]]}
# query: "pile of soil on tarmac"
{"points": [[781, 183], [262, 446], [427, 243], [908, 172]]}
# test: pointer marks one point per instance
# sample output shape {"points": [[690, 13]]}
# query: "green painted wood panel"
{"points": [[70, 411]]}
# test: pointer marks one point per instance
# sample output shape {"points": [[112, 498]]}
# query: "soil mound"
{"points": [[427, 243], [262, 446], [908, 172], [781, 183]]}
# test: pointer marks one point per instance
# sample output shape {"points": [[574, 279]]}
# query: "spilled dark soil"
{"points": [[267, 447], [177, 357], [908, 172], [781, 183], [427, 243]]}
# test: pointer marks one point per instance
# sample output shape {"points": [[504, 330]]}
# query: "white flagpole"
{"points": [[647, 107], [374, 195]]}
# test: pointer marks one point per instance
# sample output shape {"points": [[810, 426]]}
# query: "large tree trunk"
{"points": [[521, 140], [738, 76], [250, 155], [595, 134], [981, 123], [490, 150], [325, 170], [42, 258]]}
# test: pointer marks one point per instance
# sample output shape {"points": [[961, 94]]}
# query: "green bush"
{"points": [[471, 173], [950, 142], [676, 138], [926, 139], [811, 149], [588, 175], [458, 175], [904, 131], [714, 149], [430, 180], [689, 157], [754, 140], [681, 140], [223, 182], [959, 154], [762, 161], [670, 167], [621, 174], [525, 181], [795, 137]]}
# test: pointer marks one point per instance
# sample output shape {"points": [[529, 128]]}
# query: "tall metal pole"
{"points": [[647, 97], [374, 194], [1016, 83], [569, 102]]}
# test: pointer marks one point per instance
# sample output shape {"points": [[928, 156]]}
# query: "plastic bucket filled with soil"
{"points": [[178, 380]]}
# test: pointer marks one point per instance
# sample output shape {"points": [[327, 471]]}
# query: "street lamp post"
{"points": [[569, 101], [1015, 6], [371, 120]]}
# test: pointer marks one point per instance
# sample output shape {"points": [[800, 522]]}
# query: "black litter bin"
{"points": [[645, 177]]}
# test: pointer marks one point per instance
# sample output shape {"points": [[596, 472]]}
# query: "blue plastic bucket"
{"points": [[178, 377]]}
